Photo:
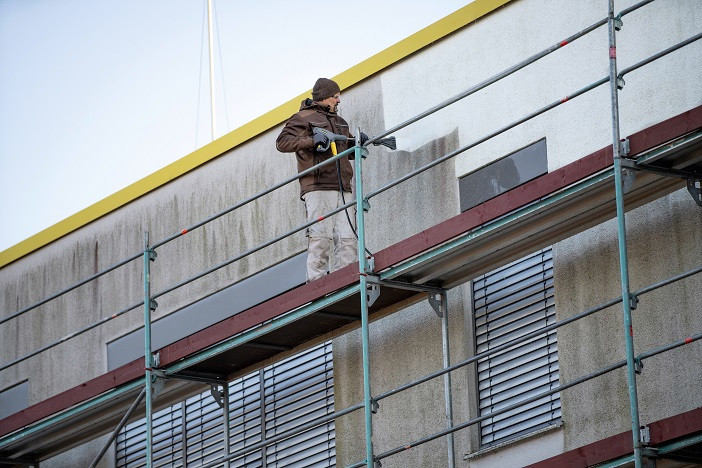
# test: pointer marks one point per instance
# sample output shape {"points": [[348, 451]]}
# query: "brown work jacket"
{"points": [[296, 137]]}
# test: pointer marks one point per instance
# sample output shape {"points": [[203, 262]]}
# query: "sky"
{"points": [[97, 94]]}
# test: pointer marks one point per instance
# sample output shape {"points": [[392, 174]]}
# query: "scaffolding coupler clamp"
{"points": [[624, 147], [152, 255], [638, 365], [153, 305], [376, 463], [366, 205], [645, 435], [375, 406], [620, 82], [633, 301], [618, 23]]}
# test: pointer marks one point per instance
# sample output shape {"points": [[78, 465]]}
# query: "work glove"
{"points": [[321, 142]]}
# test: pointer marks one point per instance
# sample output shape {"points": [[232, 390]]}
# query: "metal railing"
{"points": [[148, 254]]}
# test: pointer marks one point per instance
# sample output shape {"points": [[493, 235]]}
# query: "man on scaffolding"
{"points": [[324, 189]]}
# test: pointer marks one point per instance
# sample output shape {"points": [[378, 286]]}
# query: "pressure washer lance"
{"points": [[332, 138]]}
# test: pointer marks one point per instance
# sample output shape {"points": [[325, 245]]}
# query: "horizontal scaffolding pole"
{"points": [[72, 335], [502, 75], [254, 197], [546, 393], [660, 54], [71, 288], [254, 250]]}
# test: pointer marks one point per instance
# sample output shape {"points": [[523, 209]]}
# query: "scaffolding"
{"points": [[373, 280]]}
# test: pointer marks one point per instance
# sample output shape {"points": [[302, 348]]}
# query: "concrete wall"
{"points": [[664, 236]]}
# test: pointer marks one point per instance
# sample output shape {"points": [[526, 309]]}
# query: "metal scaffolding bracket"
{"points": [[158, 385], [153, 305], [152, 255], [217, 394], [366, 205], [695, 189], [436, 301], [376, 463], [372, 292], [375, 406], [436, 294]]}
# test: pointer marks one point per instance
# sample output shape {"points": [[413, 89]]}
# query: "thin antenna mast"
{"points": [[211, 47]]}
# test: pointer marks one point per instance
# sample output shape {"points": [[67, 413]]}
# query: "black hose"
{"points": [[348, 218]]}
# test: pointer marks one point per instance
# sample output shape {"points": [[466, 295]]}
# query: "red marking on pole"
{"points": [[612, 52], [631, 330], [184, 231], [407, 447], [688, 340], [564, 99], [113, 316], [562, 43], [321, 218]]}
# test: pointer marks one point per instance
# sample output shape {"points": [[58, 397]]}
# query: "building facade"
{"points": [[526, 263]]}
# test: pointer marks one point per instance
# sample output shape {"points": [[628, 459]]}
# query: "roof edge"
{"points": [[348, 78]]}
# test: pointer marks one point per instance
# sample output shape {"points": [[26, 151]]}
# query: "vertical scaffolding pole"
{"points": [[225, 409], [363, 271], [447, 378], [148, 359], [621, 230]]}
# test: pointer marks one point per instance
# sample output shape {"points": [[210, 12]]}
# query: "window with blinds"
{"points": [[509, 303], [274, 400]]}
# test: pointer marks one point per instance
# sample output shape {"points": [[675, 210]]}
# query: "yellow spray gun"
{"points": [[332, 138]]}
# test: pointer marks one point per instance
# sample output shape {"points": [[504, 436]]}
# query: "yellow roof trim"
{"points": [[346, 79]]}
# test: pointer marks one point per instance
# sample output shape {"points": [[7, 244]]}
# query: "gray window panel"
{"points": [[503, 175], [509, 303], [210, 310], [296, 391], [14, 399]]}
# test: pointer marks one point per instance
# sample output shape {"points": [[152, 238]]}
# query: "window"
{"points": [[509, 303], [276, 399], [502, 175]]}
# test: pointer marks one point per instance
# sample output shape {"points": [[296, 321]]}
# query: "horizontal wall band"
{"points": [[280, 114]]}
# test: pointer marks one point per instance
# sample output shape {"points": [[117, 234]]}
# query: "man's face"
{"points": [[332, 102]]}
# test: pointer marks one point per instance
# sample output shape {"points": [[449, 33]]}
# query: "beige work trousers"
{"points": [[331, 242]]}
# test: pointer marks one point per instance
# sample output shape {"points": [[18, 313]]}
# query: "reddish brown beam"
{"points": [[611, 448]]}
